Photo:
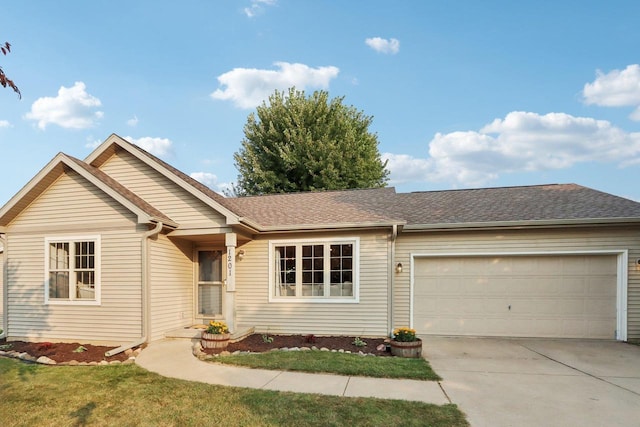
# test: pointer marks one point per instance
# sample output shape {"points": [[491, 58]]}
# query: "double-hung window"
{"points": [[72, 270], [317, 270]]}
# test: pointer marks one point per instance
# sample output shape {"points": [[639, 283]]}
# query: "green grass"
{"points": [[336, 363], [127, 395]]}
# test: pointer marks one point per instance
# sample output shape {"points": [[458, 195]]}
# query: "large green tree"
{"points": [[298, 143]]}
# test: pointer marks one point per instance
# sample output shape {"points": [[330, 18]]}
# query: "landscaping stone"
{"points": [[128, 352], [103, 363], [225, 353], [45, 360], [73, 363], [324, 349], [115, 362]]}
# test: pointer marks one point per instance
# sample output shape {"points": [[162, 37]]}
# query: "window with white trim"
{"points": [[314, 270], [72, 270]]}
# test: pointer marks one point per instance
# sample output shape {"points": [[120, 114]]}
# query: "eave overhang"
{"points": [[553, 223]]}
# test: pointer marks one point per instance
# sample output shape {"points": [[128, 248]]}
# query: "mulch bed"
{"points": [[64, 352], [257, 344]]}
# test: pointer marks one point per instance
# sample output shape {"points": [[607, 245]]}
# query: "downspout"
{"points": [[146, 288], [392, 277], [5, 288], [146, 293]]}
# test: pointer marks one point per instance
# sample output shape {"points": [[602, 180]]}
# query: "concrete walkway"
{"points": [[174, 358]]}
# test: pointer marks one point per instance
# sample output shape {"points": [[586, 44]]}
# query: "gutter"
{"points": [[5, 287], [547, 223], [320, 227], [392, 278]]}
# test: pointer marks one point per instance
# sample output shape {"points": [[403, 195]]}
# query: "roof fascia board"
{"points": [[231, 217], [519, 224], [324, 227]]}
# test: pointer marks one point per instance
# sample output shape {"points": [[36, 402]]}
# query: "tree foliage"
{"points": [[298, 143], [4, 80]]}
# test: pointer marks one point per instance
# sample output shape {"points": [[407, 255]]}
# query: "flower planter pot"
{"points": [[406, 349], [215, 340]]}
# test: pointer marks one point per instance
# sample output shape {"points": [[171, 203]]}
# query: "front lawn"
{"points": [[127, 395], [336, 363]]}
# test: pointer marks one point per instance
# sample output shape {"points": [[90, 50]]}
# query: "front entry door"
{"points": [[209, 283]]}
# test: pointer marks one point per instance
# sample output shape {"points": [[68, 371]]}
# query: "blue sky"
{"points": [[464, 94]]}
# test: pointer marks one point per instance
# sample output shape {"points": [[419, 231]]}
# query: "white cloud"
{"points": [[133, 121], [160, 147], [73, 108], [521, 142], [5, 124], [381, 45], [256, 7], [616, 89], [405, 168], [248, 87], [92, 143], [206, 178], [211, 181]]}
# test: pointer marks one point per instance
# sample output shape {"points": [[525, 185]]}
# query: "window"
{"points": [[72, 270], [209, 282], [314, 270]]}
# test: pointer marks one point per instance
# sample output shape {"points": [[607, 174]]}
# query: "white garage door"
{"points": [[520, 296]]}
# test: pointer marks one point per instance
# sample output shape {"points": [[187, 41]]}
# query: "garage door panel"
{"points": [[539, 296], [602, 265]]}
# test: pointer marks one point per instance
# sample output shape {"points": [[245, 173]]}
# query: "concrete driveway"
{"points": [[539, 382]]}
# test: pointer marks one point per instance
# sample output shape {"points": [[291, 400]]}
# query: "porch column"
{"points": [[231, 242]]}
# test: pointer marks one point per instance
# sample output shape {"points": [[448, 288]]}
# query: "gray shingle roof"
{"points": [[322, 208], [486, 206], [555, 202]]}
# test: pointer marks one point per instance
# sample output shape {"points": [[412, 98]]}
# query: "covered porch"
{"points": [[215, 254]]}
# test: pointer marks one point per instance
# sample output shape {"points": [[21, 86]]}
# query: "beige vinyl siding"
{"points": [[2, 290], [366, 318], [504, 241], [162, 193], [171, 281], [73, 207]]}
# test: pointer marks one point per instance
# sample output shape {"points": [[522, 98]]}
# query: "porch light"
{"points": [[241, 254], [399, 268]]}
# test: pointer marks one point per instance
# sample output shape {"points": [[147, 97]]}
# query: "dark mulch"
{"points": [[257, 344], [64, 352]]}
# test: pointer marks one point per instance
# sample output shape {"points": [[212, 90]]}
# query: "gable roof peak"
{"points": [[63, 162], [218, 202]]}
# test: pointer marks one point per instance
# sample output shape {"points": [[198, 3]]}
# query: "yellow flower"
{"points": [[404, 334], [217, 327]]}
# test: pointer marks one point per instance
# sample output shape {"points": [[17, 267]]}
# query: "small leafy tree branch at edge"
{"points": [[4, 80]]}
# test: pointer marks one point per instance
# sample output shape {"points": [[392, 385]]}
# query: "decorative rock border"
{"points": [[200, 354], [44, 360]]}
